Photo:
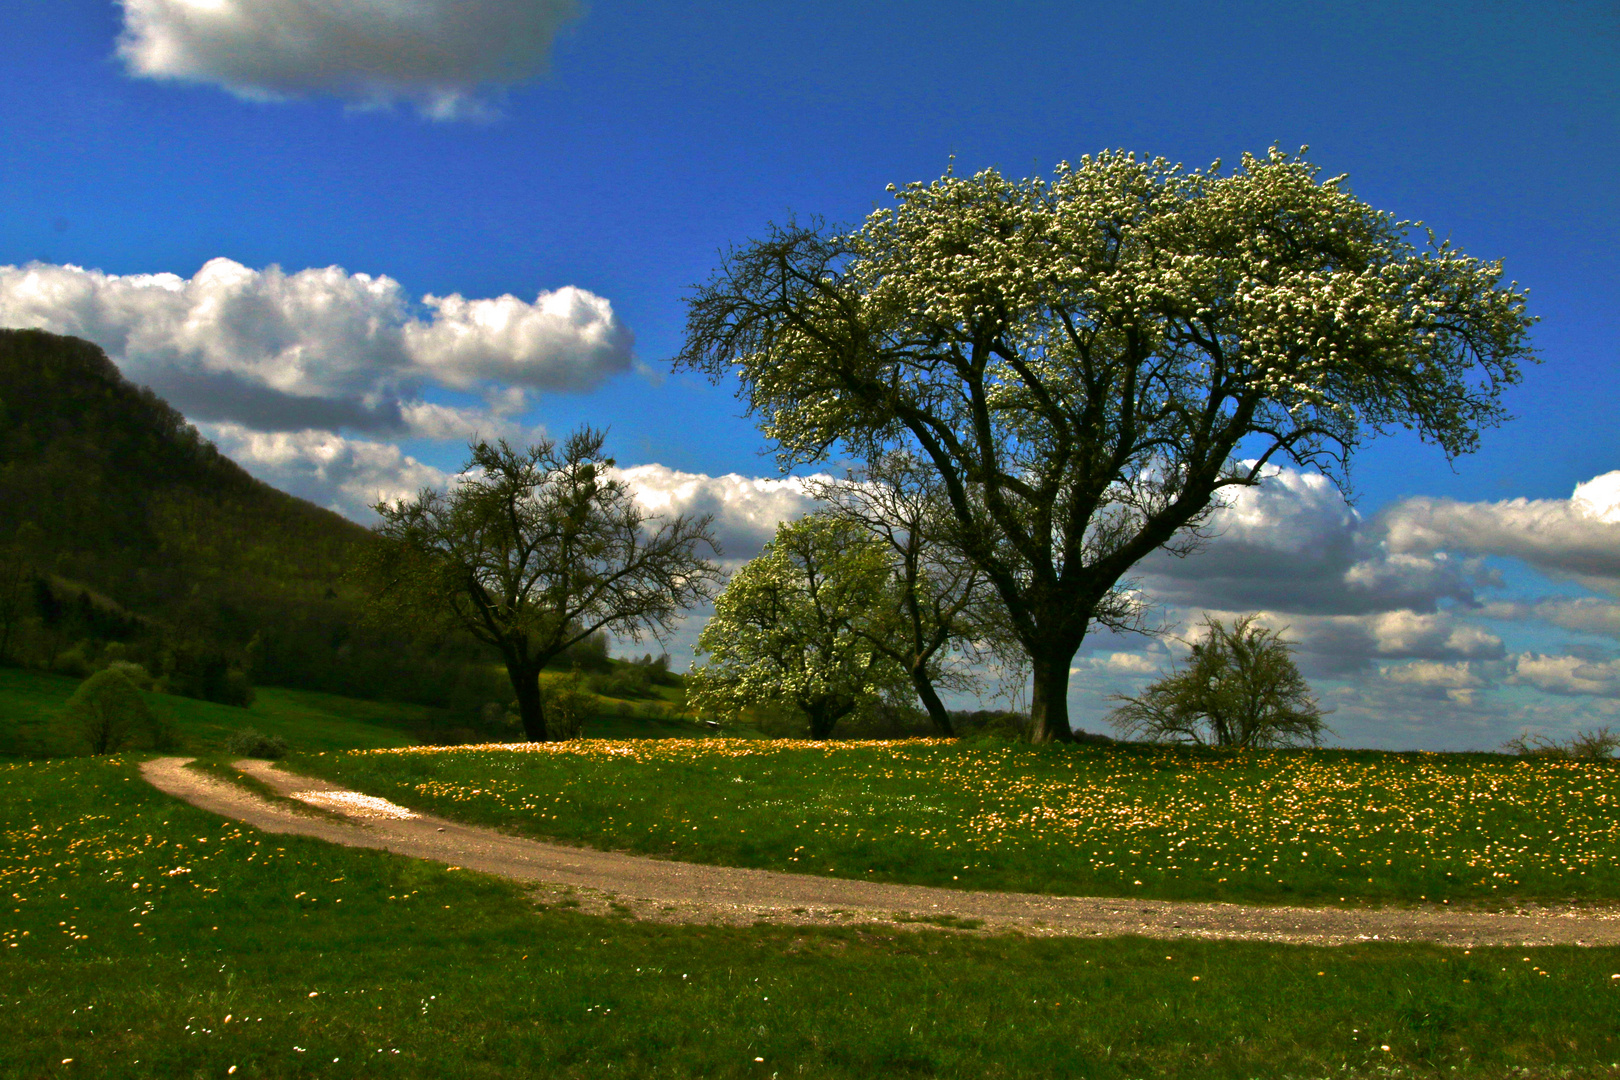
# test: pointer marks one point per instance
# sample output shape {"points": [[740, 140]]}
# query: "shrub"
{"points": [[1598, 744], [135, 673], [1238, 688], [107, 713], [566, 703], [999, 723], [250, 742]]}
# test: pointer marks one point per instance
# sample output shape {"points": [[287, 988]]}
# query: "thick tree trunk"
{"points": [[1049, 702], [526, 685], [931, 702], [825, 714], [822, 723]]}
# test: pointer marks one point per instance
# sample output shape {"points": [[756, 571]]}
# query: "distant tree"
{"points": [[568, 704], [533, 551], [1088, 361], [107, 713], [791, 631], [1238, 688]]}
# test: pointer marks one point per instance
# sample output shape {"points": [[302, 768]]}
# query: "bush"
{"points": [[135, 673], [249, 742], [1596, 745], [566, 703], [107, 714], [999, 723], [1239, 687]]}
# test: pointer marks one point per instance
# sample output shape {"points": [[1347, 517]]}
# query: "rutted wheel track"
{"points": [[665, 890]]}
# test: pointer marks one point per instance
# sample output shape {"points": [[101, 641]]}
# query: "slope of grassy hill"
{"points": [[1305, 826], [31, 703], [131, 500]]}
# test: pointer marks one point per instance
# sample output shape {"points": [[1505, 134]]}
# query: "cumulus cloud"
{"points": [[1293, 544], [1339, 645], [323, 348], [436, 54], [746, 509], [341, 474], [1120, 663], [1578, 537], [1458, 682], [1567, 675], [565, 340]]}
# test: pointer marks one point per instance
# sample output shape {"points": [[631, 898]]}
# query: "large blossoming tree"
{"points": [[1089, 361]]}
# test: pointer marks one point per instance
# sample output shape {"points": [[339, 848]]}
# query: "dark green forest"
{"points": [[127, 537]]}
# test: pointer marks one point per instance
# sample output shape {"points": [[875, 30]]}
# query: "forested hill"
{"points": [[130, 527], [132, 501]]}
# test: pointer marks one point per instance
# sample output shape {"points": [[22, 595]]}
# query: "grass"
{"points": [[1333, 827], [142, 937], [30, 702]]}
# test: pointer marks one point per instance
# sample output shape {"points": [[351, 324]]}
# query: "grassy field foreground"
{"points": [[1320, 826], [141, 937]]}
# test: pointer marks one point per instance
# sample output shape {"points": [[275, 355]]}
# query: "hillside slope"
{"points": [[132, 501], [119, 522]]}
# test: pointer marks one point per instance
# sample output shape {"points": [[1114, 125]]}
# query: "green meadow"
{"points": [[142, 937], [31, 703], [1311, 826]]}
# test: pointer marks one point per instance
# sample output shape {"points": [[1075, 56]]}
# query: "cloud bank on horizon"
{"points": [[439, 55]]}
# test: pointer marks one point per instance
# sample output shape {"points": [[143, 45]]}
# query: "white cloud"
{"points": [[565, 340], [1457, 682], [1293, 544], [1570, 675], [1578, 537], [436, 54], [345, 475], [1121, 663], [746, 509], [322, 348]]}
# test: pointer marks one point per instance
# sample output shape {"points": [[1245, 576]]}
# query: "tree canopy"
{"points": [[1089, 361], [793, 628], [533, 551]]}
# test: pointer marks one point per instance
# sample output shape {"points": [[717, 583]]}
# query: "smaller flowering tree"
{"points": [[792, 630]]}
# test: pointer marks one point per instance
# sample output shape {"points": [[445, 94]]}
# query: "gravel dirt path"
{"points": [[668, 891]]}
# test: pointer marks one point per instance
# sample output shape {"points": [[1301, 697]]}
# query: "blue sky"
{"points": [[603, 154]]}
